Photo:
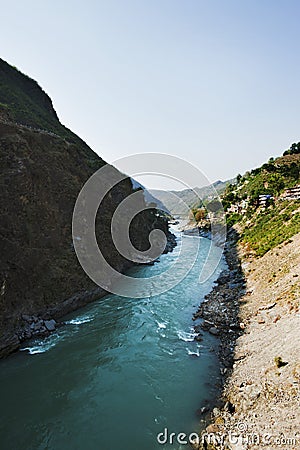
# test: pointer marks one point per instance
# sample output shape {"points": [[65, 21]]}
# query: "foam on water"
{"points": [[80, 320], [161, 324], [43, 345], [185, 336], [193, 353]]}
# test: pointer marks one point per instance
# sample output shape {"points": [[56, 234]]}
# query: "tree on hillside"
{"points": [[200, 214], [269, 167], [294, 171], [275, 183], [293, 150]]}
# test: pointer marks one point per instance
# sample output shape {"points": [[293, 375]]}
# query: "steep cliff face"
{"points": [[43, 167], [26, 103]]}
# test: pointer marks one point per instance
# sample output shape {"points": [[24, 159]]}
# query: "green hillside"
{"points": [[266, 214]]}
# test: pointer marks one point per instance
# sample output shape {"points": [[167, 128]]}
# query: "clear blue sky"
{"points": [[215, 82]]}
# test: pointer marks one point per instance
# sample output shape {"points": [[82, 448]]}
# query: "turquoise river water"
{"points": [[118, 373]]}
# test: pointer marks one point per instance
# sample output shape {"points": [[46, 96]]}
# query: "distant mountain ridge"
{"points": [[149, 198], [179, 203]]}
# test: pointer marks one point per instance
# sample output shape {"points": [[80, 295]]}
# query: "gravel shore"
{"points": [[254, 310]]}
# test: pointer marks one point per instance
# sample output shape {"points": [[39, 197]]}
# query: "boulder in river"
{"points": [[214, 331], [50, 324]]}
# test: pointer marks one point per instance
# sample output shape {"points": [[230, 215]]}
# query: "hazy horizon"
{"points": [[214, 83]]}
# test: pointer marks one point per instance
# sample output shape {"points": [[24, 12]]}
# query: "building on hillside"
{"points": [[292, 193], [233, 209], [244, 205], [264, 200], [240, 208]]}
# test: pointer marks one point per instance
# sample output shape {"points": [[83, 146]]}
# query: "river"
{"points": [[118, 373]]}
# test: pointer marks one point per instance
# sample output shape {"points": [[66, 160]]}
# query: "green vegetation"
{"points": [[269, 179], [233, 219], [272, 227], [293, 150], [266, 222]]}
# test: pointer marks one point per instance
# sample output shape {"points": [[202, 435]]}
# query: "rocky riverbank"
{"points": [[45, 322], [220, 307], [48, 320], [218, 235], [254, 310]]}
